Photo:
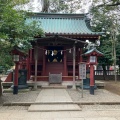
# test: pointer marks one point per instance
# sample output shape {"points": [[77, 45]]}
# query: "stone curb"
{"points": [[97, 103], [29, 103], [11, 90], [54, 103], [79, 103], [17, 103], [52, 110]]}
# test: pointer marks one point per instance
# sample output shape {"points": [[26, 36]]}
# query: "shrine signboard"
{"points": [[82, 70], [82, 73]]}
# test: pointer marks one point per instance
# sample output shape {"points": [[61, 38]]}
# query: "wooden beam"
{"points": [[74, 54], [65, 63], [44, 62], [36, 61]]}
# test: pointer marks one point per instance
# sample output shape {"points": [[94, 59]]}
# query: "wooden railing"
{"points": [[109, 72]]}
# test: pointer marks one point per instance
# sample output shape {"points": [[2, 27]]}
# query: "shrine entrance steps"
{"points": [[53, 100], [55, 86]]}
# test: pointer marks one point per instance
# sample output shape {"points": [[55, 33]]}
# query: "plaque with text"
{"points": [[82, 70]]}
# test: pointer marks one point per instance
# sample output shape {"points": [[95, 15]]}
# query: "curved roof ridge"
{"points": [[59, 15]]}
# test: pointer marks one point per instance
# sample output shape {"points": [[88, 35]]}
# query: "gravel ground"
{"points": [[100, 107], [100, 95], [10, 108], [29, 96]]}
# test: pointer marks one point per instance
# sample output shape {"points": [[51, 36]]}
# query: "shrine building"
{"points": [[54, 58]]}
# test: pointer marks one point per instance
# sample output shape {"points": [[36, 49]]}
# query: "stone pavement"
{"points": [[89, 112], [21, 113], [53, 100], [53, 95]]}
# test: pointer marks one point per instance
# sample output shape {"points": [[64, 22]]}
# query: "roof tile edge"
{"points": [[58, 15]]}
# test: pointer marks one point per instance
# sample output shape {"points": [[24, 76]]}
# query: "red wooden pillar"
{"points": [[31, 51], [65, 63], [44, 62], [28, 68], [91, 79], [15, 87]]}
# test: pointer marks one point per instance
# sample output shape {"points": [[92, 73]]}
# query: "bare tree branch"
{"points": [[109, 5]]}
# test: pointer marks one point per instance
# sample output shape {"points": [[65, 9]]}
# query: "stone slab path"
{"points": [[53, 100], [53, 95], [53, 107]]}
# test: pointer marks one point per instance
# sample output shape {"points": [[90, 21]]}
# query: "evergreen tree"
{"points": [[14, 31], [105, 18]]}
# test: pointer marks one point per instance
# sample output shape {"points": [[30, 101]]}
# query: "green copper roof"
{"points": [[93, 50], [63, 23]]}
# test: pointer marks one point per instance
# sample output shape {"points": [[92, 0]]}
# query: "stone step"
{"points": [[53, 107], [98, 83], [54, 87], [54, 102]]}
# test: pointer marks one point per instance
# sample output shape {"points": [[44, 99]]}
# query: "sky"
{"points": [[35, 6]]}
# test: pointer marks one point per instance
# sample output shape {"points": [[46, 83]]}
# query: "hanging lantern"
{"points": [[61, 52], [69, 50], [46, 52], [16, 58], [52, 53]]}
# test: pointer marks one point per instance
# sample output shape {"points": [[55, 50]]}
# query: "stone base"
{"points": [[92, 90], [15, 89], [53, 107], [55, 78], [21, 86]]}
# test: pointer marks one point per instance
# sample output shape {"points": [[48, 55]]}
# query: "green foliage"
{"points": [[118, 49], [15, 28], [14, 31], [104, 20], [107, 4], [5, 57]]}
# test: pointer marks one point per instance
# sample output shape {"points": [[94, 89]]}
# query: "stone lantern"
{"points": [[17, 54], [92, 55]]}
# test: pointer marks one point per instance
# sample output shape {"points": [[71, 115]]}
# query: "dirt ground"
{"points": [[113, 86]]}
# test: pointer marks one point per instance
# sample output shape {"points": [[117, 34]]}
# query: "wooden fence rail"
{"points": [[109, 72]]}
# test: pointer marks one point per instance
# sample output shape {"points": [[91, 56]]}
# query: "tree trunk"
{"points": [[119, 69], [0, 87], [45, 5], [104, 73]]}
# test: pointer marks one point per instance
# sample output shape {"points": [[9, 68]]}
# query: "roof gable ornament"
{"points": [[92, 45], [92, 49]]}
